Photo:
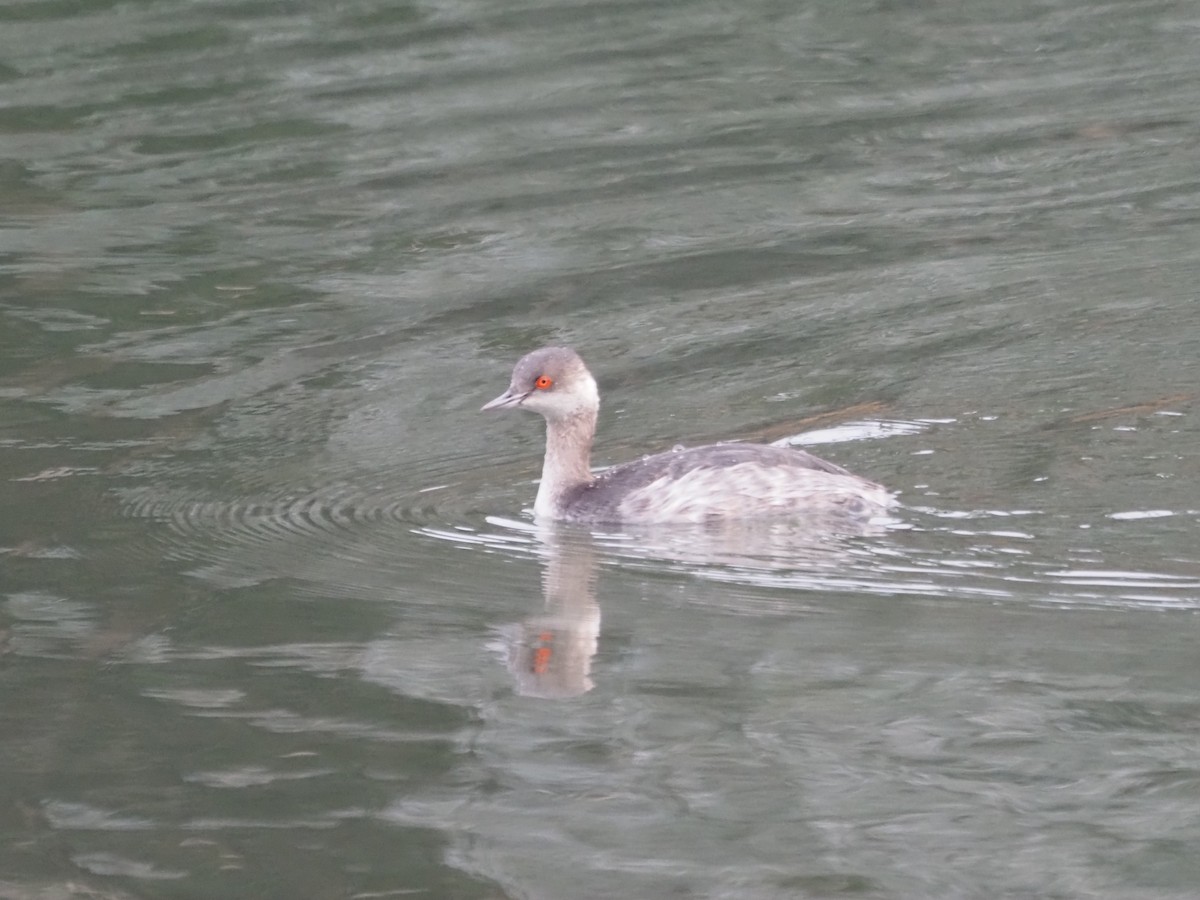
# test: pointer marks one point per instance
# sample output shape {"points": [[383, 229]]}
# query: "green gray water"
{"points": [[273, 622]]}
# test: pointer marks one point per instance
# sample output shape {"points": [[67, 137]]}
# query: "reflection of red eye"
{"points": [[543, 382]]}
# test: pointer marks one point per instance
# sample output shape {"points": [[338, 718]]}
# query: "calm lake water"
{"points": [[274, 619]]}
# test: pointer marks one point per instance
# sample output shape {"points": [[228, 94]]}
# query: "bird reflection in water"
{"points": [[550, 654]]}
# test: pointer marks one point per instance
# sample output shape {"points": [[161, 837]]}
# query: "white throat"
{"points": [[567, 464]]}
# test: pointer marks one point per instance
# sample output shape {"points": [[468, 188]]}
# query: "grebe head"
{"points": [[552, 381]]}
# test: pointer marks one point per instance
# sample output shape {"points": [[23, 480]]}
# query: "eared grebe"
{"points": [[697, 484]]}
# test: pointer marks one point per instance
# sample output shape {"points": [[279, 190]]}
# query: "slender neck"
{"points": [[567, 462]]}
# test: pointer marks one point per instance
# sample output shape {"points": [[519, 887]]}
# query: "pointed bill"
{"points": [[504, 401]]}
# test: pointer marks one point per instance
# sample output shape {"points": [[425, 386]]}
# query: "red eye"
{"points": [[543, 382]]}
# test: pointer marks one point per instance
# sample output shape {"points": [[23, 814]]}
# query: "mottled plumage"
{"points": [[697, 484]]}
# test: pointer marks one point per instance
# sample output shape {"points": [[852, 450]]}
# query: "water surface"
{"points": [[274, 620]]}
